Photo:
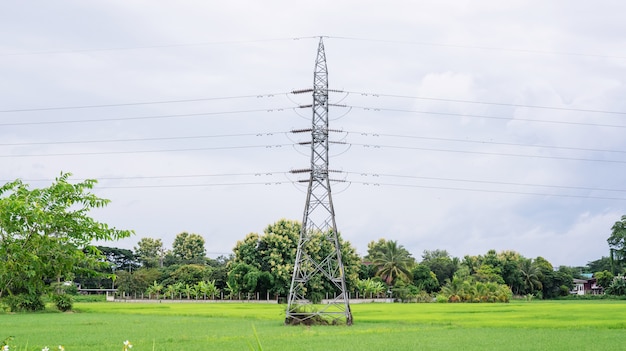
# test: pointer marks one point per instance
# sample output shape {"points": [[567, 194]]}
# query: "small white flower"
{"points": [[127, 345], [45, 349], [5, 348], [61, 348]]}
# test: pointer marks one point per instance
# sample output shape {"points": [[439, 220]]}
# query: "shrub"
{"points": [[24, 302], [63, 302]]}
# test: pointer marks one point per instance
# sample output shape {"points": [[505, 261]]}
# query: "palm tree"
{"points": [[154, 289], [393, 261], [530, 275], [170, 291]]}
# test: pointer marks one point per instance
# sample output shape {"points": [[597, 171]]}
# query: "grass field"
{"points": [[537, 325]]}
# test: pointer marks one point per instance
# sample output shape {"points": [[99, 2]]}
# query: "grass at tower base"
{"points": [[536, 325]]}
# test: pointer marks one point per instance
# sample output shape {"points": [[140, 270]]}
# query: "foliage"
{"points": [[424, 278], [392, 261], [63, 302], [440, 263], [119, 259], [274, 252], [617, 246], [25, 302], [188, 274], [617, 287], [154, 290], [530, 273], [150, 252], [604, 278], [459, 290], [44, 233], [137, 282], [554, 283], [599, 265], [189, 248], [370, 288]]}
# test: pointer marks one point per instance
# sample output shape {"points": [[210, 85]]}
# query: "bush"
{"points": [[24, 302], [441, 298], [63, 302]]}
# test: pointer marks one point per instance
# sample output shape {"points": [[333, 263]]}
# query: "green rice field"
{"points": [[536, 325]]}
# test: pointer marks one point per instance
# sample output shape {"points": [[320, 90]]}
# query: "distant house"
{"points": [[586, 287]]}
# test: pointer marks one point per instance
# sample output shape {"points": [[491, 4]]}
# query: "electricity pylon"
{"points": [[318, 219]]}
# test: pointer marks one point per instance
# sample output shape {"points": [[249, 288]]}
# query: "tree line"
{"points": [[261, 266], [45, 248]]}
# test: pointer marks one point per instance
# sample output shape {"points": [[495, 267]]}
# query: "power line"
{"points": [[271, 133], [365, 174], [376, 175], [267, 95], [143, 139], [270, 146], [374, 134], [171, 176], [202, 185], [375, 184], [485, 153], [280, 109], [489, 191], [128, 48], [488, 103], [378, 109], [150, 151], [232, 42]]}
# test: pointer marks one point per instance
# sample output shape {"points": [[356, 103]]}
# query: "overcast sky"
{"points": [[469, 125]]}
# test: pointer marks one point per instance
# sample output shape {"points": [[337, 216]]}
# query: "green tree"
{"points": [[189, 248], [45, 234], [137, 282], [441, 263], [274, 252], [488, 273], [509, 268], [599, 265], [243, 278], [531, 274], [604, 278], [617, 286], [150, 252], [392, 262], [617, 245], [424, 278], [188, 274]]}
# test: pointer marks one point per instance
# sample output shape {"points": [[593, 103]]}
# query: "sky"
{"points": [[463, 125]]}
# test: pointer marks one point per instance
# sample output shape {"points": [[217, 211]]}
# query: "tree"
{"points": [[150, 252], [530, 273], [45, 234], [617, 245], [188, 274], [604, 278], [137, 282], [392, 262], [274, 252], [119, 259], [599, 265], [189, 248], [440, 263], [424, 278]]}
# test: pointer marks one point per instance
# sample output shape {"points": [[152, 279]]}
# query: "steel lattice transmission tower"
{"points": [[318, 219]]}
